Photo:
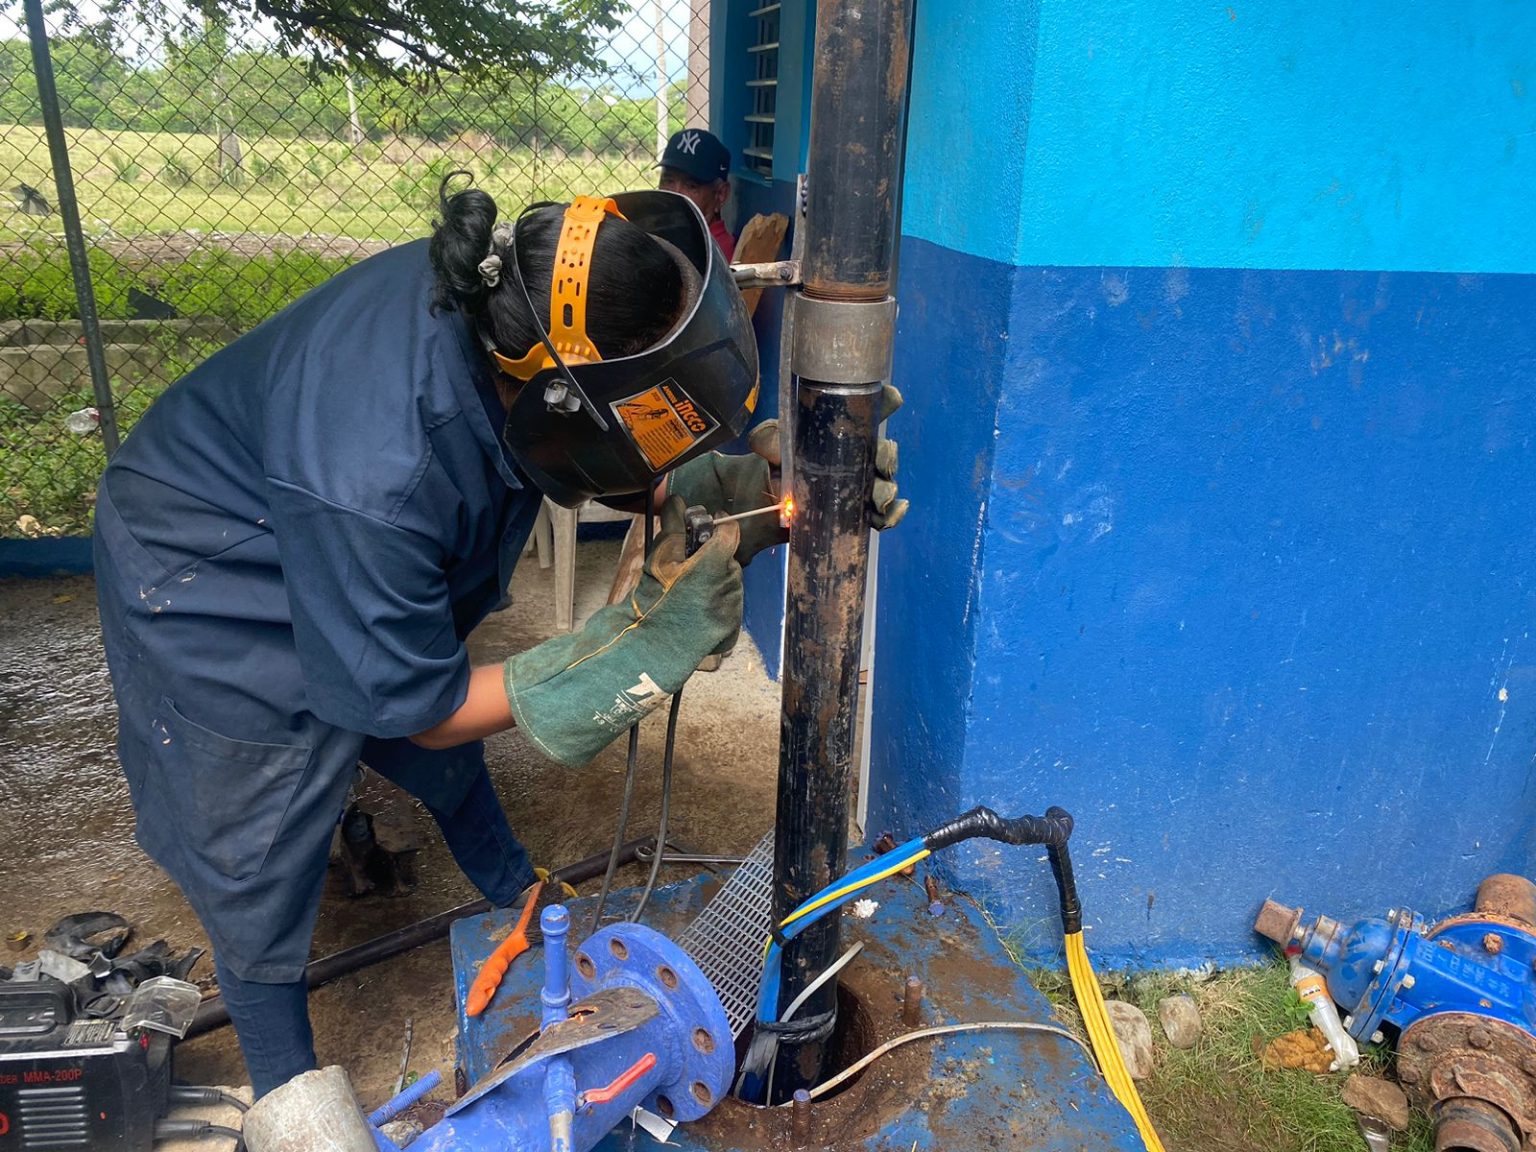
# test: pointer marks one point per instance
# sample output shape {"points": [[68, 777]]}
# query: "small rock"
{"points": [[1380, 1099], [1133, 1032], [401, 1132], [1180, 1020]]}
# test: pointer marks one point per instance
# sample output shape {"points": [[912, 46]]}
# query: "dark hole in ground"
{"points": [[853, 1036], [848, 1119]]}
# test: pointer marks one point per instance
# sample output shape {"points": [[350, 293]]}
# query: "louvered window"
{"points": [[762, 88]]}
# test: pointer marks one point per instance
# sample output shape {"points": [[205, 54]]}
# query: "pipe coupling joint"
{"points": [[843, 341]]}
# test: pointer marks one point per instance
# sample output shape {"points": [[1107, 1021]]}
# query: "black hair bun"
{"points": [[461, 239]]}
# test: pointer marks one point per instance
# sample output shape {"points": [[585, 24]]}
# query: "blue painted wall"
{"points": [[1221, 405]]}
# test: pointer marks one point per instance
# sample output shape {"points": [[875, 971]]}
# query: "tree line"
{"points": [[199, 83]]}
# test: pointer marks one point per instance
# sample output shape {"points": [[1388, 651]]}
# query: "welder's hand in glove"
{"points": [[574, 694], [885, 509], [728, 485]]}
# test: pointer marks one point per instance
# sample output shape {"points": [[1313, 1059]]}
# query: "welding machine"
{"points": [[69, 1081]]}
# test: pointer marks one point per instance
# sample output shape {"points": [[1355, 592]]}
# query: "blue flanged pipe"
{"points": [[1459, 995], [635, 1023]]}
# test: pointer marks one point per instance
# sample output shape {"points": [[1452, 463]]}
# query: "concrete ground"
{"points": [[69, 842]]}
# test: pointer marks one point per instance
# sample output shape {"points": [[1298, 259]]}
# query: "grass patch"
{"points": [[243, 290], [1217, 1096], [49, 472]]}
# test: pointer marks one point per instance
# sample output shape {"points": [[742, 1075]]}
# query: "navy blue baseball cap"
{"points": [[697, 154]]}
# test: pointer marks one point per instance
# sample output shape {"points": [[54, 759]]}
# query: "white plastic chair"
{"points": [[554, 539]]}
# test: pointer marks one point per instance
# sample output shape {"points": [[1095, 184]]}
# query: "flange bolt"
{"points": [[1480, 1037], [1493, 943]]}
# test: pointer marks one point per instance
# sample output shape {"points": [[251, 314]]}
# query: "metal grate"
{"points": [[726, 941]]}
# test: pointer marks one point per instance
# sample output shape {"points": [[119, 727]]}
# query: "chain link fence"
{"points": [[217, 180]]}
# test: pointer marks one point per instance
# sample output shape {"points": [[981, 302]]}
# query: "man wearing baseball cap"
{"points": [[698, 166]]}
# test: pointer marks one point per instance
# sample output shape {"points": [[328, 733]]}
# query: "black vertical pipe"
{"points": [[69, 213], [858, 114], [828, 550], [858, 109]]}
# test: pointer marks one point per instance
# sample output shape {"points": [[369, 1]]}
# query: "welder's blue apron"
{"points": [[290, 548]]}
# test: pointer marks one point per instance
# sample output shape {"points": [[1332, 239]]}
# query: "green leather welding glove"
{"points": [[731, 484], [574, 694]]}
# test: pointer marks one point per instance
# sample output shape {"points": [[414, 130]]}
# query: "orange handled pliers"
{"points": [[488, 979]]}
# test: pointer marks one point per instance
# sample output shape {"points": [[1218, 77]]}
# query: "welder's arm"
{"points": [[573, 695], [728, 485], [485, 712]]}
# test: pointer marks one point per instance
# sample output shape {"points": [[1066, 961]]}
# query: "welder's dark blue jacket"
{"points": [[291, 547]]}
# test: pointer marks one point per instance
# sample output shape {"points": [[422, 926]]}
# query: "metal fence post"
{"points": [[69, 211]]}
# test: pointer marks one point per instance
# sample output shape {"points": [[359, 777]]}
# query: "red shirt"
{"points": [[723, 237]]}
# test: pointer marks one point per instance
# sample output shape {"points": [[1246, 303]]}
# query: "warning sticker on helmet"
{"points": [[662, 422]]}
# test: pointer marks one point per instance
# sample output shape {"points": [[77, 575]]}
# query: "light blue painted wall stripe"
{"points": [[1383, 134], [968, 123]]}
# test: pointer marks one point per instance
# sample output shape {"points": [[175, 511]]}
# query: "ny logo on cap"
{"points": [[688, 142]]}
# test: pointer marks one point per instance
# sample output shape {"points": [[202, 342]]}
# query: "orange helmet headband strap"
{"points": [[567, 293]]}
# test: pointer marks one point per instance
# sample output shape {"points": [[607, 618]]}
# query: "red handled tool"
{"points": [[622, 1083]]}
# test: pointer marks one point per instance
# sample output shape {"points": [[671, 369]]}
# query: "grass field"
{"points": [[159, 182], [1218, 1096]]}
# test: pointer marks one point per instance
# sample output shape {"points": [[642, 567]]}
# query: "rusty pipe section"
{"points": [[844, 326], [1507, 897], [1466, 1124], [858, 122]]}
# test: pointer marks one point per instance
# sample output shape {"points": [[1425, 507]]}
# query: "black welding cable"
{"points": [[200, 1094], [666, 807], [618, 835], [196, 1130], [632, 763]]}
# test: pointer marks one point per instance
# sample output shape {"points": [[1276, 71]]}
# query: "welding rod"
{"points": [[755, 512]]}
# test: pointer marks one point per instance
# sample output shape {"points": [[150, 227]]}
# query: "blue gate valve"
{"points": [[1460, 995], [633, 1024]]}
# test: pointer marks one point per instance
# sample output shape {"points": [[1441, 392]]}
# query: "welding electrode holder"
{"points": [[698, 528]]}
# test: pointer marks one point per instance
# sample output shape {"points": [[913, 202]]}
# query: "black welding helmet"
{"points": [[583, 427]]}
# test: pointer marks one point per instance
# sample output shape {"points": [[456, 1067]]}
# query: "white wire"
{"points": [[837, 966], [858, 1066], [795, 1005]]}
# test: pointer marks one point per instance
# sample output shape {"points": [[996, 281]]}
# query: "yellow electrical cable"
{"points": [[1090, 1002]]}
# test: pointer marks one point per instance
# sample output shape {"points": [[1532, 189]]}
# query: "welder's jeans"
{"points": [[272, 1020]]}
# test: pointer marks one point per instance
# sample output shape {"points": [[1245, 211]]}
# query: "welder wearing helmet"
{"points": [[294, 542]]}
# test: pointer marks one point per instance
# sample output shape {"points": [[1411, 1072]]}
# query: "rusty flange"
{"points": [[1460, 1055]]}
